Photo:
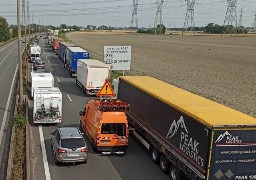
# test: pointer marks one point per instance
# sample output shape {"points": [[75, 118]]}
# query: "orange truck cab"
{"points": [[105, 123]]}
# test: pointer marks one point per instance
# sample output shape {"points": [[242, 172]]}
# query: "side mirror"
{"points": [[81, 113]]}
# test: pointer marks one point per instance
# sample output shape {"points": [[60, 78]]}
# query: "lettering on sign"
{"points": [[188, 144]]}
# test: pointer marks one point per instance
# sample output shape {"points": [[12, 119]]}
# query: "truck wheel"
{"points": [[164, 164], [155, 155], [174, 173]]}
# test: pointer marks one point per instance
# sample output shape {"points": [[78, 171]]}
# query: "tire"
{"points": [[164, 163], [155, 155], [174, 173]]}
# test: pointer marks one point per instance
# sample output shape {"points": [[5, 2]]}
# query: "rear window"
{"points": [[113, 128], [72, 143], [39, 63]]}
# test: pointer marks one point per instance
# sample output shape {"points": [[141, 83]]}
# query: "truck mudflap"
{"points": [[233, 154]]}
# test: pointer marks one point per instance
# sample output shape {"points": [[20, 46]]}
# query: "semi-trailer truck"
{"points": [[71, 57], [91, 75], [189, 135], [62, 48]]}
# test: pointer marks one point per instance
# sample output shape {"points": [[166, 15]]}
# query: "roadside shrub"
{"points": [[19, 121]]}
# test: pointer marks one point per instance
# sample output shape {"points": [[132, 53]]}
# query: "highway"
{"points": [[8, 76], [136, 164]]}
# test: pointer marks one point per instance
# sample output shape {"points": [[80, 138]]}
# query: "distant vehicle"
{"points": [[38, 64], [35, 52], [68, 145], [105, 123], [71, 57], [189, 135], [91, 75], [55, 44], [47, 106]]}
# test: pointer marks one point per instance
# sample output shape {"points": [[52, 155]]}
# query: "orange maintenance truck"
{"points": [[106, 125]]}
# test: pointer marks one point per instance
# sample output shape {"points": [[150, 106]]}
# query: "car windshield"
{"points": [[113, 128], [72, 143]]}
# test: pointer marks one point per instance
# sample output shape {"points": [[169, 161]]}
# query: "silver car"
{"points": [[68, 145]]}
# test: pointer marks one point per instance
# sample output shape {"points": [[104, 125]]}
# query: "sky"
{"points": [[118, 13]]}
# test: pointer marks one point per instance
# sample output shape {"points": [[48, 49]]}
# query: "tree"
{"points": [[63, 26], [160, 29], [4, 30]]}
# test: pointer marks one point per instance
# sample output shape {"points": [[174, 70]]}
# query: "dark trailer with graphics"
{"points": [[190, 136]]}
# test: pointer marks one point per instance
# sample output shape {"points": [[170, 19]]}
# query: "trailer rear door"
{"points": [[234, 154]]}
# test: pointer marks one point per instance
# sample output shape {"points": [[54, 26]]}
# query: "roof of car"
{"points": [[68, 132]]}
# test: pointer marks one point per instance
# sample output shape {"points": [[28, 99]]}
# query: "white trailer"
{"points": [[47, 105], [41, 80], [35, 51], [91, 75]]}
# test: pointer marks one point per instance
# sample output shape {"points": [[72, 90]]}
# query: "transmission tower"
{"points": [[240, 24], [189, 19], [254, 22], [158, 18], [231, 15], [134, 21]]}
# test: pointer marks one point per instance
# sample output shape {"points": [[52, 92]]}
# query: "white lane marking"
{"points": [[69, 98], [6, 46], [45, 161], [58, 79], [7, 106], [48, 61], [8, 55]]}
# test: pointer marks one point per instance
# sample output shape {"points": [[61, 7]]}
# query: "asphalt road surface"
{"points": [[8, 76], [136, 164]]}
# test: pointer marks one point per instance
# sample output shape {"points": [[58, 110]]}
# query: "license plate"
{"points": [[105, 141], [73, 154]]}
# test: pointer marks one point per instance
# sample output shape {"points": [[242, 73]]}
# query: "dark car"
{"points": [[68, 145], [38, 64]]}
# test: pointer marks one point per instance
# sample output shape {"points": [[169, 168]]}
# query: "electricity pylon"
{"points": [[134, 21], [189, 19]]}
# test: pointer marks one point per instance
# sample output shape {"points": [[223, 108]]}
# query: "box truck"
{"points": [[41, 80], [55, 44], [190, 136], [35, 52], [91, 75], [62, 48], [47, 105], [71, 57], [105, 124]]}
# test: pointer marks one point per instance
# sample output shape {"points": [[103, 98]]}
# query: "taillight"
{"points": [[62, 151], [84, 150]]}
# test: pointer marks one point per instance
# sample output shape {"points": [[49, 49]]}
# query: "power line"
{"points": [[189, 19], [134, 15]]}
